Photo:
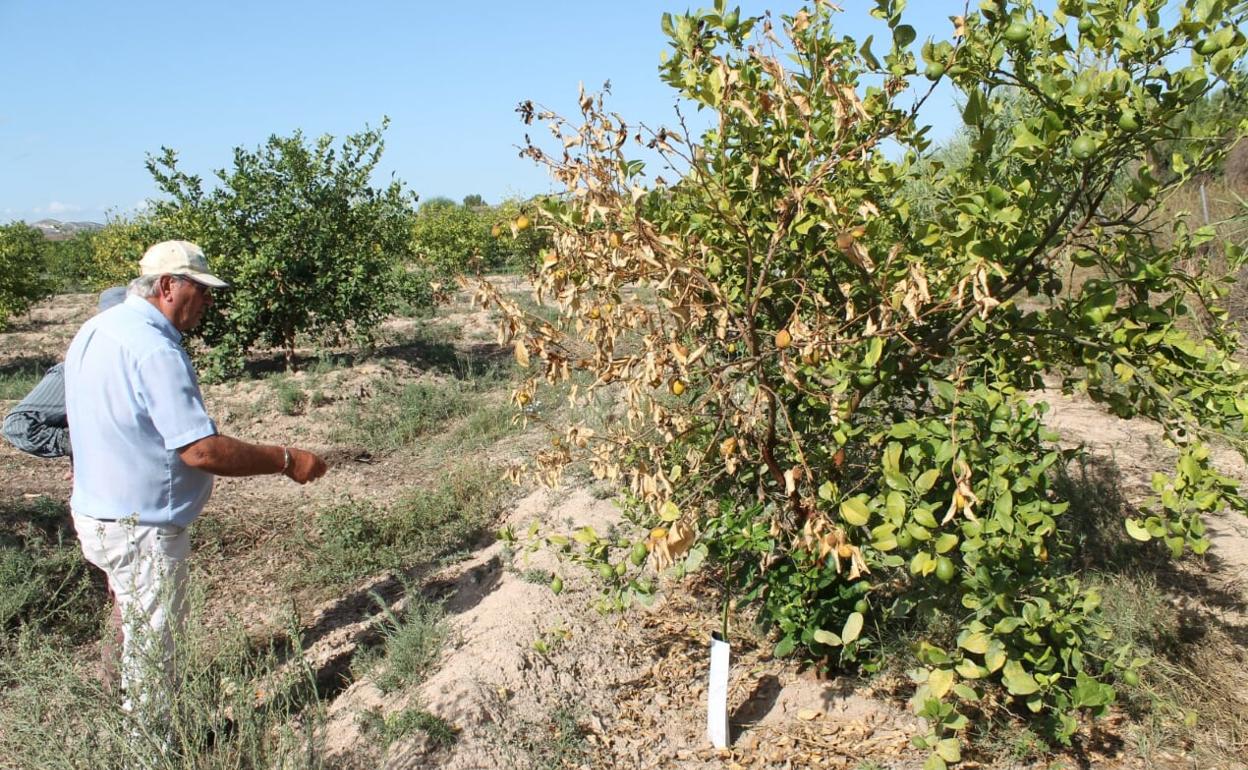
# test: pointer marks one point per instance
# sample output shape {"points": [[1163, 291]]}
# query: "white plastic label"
{"points": [[717, 694]]}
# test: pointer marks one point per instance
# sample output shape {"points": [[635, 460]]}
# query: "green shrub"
{"points": [[308, 245], [23, 275]]}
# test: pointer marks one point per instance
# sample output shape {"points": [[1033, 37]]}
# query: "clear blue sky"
{"points": [[92, 87]]}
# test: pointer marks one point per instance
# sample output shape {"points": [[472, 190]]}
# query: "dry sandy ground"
{"points": [[634, 683]]}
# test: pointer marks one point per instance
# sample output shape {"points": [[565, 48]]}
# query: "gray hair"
{"points": [[144, 286]]}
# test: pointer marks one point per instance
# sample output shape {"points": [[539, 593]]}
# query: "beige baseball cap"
{"points": [[179, 258]]}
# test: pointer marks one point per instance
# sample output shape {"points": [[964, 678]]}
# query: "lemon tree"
{"points": [[823, 330], [308, 245], [23, 273]]}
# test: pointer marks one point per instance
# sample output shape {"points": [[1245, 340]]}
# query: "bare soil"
{"points": [[533, 679]]}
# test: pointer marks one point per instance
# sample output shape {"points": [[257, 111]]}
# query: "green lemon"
{"points": [[945, 569], [904, 538], [638, 555], [1086, 24], [556, 584], [1127, 121], [1130, 678], [861, 606], [1017, 32], [1083, 147], [606, 571], [934, 71]]}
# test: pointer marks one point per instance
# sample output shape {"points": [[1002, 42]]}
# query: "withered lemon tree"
{"points": [[821, 330]]}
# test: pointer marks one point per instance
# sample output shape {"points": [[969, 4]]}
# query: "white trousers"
{"points": [[147, 571]]}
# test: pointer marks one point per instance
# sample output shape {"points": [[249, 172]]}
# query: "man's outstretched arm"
{"points": [[226, 456]]}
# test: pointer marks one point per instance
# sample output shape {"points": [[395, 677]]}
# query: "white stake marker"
{"points": [[717, 693]]}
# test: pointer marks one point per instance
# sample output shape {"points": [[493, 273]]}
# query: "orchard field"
{"points": [[486, 666], [947, 440]]}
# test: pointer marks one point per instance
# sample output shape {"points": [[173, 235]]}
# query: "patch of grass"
{"points": [[17, 379], [291, 399], [359, 538], [47, 584], [536, 576], [548, 313], [394, 726], [235, 708], [552, 742], [1188, 689], [329, 362], [1008, 743], [413, 643], [399, 414], [485, 426]]}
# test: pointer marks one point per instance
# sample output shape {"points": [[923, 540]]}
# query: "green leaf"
{"points": [[926, 481], [669, 511], [934, 762], [892, 457], [827, 637], [1003, 506], [949, 750], [969, 669], [944, 390], [974, 641], [855, 512], [941, 681], [924, 518], [995, 657], [867, 56], [895, 505], [784, 647], [965, 692], [1135, 528], [826, 490], [1024, 139], [874, 351], [976, 107], [853, 627], [1016, 679]]}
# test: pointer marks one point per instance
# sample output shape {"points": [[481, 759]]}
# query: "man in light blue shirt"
{"points": [[146, 453]]}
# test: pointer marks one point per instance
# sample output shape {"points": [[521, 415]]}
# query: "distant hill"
{"points": [[55, 230]]}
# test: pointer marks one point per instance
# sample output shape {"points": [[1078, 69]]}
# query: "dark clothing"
{"points": [[38, 425]]}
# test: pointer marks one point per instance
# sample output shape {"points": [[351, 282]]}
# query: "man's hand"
{"points": [[304, 466]]}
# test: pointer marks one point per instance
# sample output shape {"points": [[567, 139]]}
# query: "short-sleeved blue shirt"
{"points": [[133, 400]]}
